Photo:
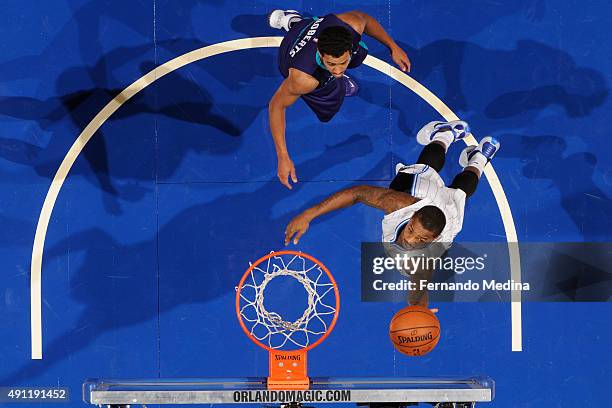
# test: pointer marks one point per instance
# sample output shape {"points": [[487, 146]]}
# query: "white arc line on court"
{"points": [[197, 55]]}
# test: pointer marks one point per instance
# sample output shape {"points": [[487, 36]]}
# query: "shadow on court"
{"points": [[178, 96], [111, 275], [572, 175], [540, 77]]}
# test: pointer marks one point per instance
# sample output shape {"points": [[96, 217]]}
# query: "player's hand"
{"points": [[434, 310], [296, 228], [400, 58], [286, 169]]}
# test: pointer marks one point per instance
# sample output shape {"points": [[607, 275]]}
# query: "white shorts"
{"points": [[426, 182]]}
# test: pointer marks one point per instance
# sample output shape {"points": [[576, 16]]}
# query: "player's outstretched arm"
{"points": [[364, 23], [377, 197], [419, 296], [296, 84]]}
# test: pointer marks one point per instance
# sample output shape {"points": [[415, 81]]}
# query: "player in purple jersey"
{"points": [[313, 58]]}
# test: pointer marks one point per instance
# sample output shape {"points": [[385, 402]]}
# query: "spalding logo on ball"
{"points": [[414, 330]]}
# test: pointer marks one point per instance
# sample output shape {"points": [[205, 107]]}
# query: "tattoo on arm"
{"points": [[383, 198]]}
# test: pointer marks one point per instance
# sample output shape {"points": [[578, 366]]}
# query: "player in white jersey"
{"points": [[419, 209]]}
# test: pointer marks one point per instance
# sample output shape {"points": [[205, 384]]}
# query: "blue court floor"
{"points": [[176, 193]]}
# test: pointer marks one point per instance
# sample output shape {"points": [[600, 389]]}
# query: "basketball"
{"points": [[414, 330]]}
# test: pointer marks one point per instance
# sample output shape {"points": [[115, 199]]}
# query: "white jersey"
{"points": [[429, 187]]}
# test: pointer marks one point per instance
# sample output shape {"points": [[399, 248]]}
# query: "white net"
{"points": [[270, 327]]}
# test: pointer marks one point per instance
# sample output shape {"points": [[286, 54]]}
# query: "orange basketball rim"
{"points": [[288, 342]]}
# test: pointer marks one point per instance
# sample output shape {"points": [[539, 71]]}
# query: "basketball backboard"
{"points": [[287, 341], [322, 390]]}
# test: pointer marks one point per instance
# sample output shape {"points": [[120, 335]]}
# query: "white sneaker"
{"points": [[458, 130], [281, 19], [486, 149]]}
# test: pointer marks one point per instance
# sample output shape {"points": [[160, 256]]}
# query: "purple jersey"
{"points": [[299, 50]]}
